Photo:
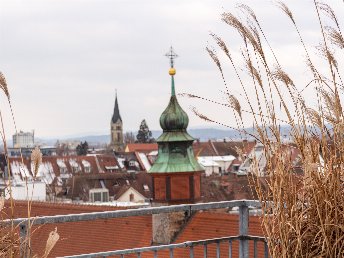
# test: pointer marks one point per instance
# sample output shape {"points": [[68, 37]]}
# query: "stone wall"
{"points": [[166, 226]]}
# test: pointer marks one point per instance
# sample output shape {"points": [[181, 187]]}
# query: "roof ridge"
{"points": [[213, 146]]}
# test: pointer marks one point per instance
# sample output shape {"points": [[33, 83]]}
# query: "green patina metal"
{"points": [[175, 153]]}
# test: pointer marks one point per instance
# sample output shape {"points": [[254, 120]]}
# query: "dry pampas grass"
{"points": [[10, 244], [2, 202], [302, 188], [51, 242], [36, 160]]}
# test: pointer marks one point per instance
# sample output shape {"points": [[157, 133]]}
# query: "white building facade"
{"points": [[24, 139]]}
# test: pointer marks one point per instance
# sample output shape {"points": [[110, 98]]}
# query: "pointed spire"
{"points": [[172, 55], [116, 116]]}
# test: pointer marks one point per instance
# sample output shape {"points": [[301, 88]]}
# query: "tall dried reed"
{"points": [[303, 211], [10, 243]]}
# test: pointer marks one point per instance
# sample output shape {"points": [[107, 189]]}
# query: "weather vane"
{"points": [[171, 55]]}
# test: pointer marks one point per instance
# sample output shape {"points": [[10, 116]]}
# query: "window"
{"points": [[63, 170], [118, 136], [99, 195], [132, 163], [131, 197], [105, 197], [118, 127]]}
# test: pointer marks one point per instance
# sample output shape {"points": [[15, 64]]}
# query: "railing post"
{"points": [[243, 230], [23, 239]]}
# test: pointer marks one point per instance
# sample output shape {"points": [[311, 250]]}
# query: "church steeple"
{"points": [[176, 172], [116, 125], [116, 116]]}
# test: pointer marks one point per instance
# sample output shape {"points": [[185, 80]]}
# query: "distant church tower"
{"points": [[116, 129]]}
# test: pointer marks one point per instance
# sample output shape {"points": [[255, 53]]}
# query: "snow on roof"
{"points": [[207, 162], [59, 181], [19, 170], [121, 162], [144, 161], [16, 172], [212, 161], [46, 172], [60, 163], [223, 158], [153, 153], [115, 203], [111, 167], [85, 163], [73, 163]]}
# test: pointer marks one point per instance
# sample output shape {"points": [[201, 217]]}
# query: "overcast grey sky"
{"points": [[63, 59]]}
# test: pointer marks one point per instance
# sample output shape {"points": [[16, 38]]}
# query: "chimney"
{"points": [[166, 226]]}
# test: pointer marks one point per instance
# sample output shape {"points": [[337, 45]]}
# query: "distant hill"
{"points": [[203, 134]]}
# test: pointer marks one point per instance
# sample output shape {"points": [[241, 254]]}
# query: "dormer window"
{"points": [[87, 166], [99, 195], [74, 165], [62, 166]]}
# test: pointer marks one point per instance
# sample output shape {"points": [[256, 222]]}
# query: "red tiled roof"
{"points": [[103, 160], [142, 147], [231, 147], [130, 232], [203, 149], [116, 183], [84, 237], [206, 225], [211, 148], [107, 161], [139, 160]]}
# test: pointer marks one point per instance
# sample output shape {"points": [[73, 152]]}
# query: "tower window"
{"points": [[131, 197], [118, 136], [118, 127]]}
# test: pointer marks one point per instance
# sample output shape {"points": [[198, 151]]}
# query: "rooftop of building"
{"points": [[123, 233]]}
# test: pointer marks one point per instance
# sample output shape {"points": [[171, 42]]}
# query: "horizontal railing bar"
{"points": [[169, 247], [132, 212]]}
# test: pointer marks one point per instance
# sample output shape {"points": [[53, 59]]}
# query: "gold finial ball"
{"points": [[172, 71]]}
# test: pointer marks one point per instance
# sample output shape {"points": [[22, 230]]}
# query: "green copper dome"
{"points": [[175, 153], [174, 118]]}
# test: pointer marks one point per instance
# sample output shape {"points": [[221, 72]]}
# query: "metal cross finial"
{"points": [[171, 55]]}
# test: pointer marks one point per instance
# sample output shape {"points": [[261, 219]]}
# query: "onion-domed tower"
{"points": [[176, 173]]}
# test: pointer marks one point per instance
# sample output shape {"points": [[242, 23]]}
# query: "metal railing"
{"points": [[189, 209]]}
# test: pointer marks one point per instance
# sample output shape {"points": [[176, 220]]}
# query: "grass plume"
{"points": [[302, 187]]}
